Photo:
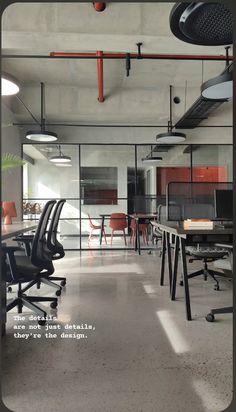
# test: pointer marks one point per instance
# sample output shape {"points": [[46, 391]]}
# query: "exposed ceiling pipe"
{"points": [[99, 6], [137, 56], [101, 98]]}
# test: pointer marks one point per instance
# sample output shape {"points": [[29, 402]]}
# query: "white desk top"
{"points": [[16, 228]]}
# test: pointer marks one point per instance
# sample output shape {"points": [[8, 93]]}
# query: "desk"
{"points": [[9, 231], [17, 228], [138, 217], [183, 238]]}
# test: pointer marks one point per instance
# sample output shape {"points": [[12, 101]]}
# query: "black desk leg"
{"points": [[185, 279], [102, 230], [168, 248], [163, 253], [175, 268], [138, 238]]}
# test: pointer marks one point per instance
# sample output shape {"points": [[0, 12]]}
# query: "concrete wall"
{"points": [[11, 143]]}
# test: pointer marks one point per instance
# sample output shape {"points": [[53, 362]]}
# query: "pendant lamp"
{"points": [[60, 158], [41, 135], [9, 85], [220, 87], [170, 136]]}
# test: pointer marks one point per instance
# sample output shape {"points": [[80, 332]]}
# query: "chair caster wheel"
{"points": [[42, 322], [58, 292], [63, 282], [53, 305], [181, 283], [9, 289], [216, 287], [210, 317]]}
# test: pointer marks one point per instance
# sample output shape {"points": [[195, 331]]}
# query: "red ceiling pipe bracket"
{"points": [[99, 6], [101, 98]]}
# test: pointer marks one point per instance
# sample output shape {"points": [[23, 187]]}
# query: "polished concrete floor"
{"points": [[143, 356]]}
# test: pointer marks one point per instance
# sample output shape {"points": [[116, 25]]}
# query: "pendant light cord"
{"points": [[170, 127], [28, 110]]}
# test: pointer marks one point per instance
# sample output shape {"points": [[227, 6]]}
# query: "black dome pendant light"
{"points": [[205, 23], [41, 135], [170, 136], [220, 87]]}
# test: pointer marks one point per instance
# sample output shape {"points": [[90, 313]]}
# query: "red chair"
{"points": [[143, 227], [118, 221], [95, 227]]}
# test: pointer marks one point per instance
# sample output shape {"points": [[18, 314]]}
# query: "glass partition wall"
{"points": [[104, 179]]}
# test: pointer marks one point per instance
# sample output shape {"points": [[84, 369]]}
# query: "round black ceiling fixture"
{"points": [[207, 24]]}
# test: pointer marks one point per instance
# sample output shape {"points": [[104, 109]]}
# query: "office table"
{"points": [[182, 238], [138, 218], [17, 228], [9, 231]]}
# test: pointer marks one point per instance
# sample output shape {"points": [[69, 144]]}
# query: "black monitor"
{"points": [[224, 204]]}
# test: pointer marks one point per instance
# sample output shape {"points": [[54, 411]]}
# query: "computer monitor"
{"points": [[224, 204]]}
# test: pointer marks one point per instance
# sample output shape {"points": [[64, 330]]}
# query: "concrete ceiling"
{"points": [[71, 85]]}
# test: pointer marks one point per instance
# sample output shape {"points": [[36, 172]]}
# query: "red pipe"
{"points": [[99, 6], [143, 55], [99, 53]]}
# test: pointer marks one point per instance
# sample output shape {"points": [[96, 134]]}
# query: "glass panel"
{"points": [[212, 163], [105, 186], [173, 165], [44, 180]]}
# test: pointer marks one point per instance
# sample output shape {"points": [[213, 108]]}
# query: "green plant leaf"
{"points": [[10, 161]]}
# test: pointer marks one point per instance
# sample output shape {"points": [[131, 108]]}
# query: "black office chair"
{"points": [[30, 269], [53, 245], [226, 265], [206, 254]]}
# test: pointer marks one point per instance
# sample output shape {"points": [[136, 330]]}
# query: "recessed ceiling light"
{"points": [[9, 85]]}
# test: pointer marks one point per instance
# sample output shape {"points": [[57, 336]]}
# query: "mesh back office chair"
{"points": [[55, 248], [226, 265], [31, 269], [207, 253], [163, 219]]}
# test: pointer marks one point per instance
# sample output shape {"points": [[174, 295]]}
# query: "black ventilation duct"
{"points": [[207, 24]]}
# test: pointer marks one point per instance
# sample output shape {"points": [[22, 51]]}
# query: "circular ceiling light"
{"points": [[60, 158], [171, 137], [9, 85], [152, 159], [63, 164], [220, 87], [41, 136]]}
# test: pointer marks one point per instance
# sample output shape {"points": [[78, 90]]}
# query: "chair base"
{"points": [[29, 302], [207, 272], [210, 316]]}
